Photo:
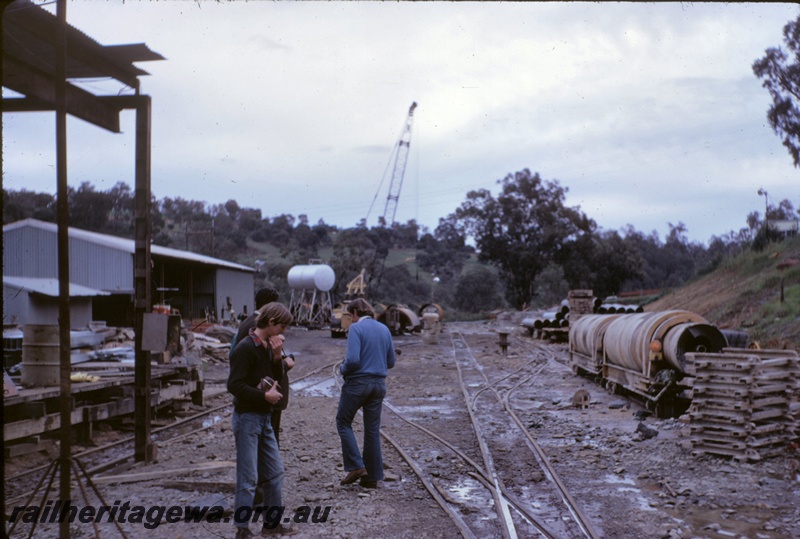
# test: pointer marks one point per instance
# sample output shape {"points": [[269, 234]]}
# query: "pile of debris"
{"points": [[743, 402]]}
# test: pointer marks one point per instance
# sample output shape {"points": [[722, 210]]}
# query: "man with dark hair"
{"points": [[370, 354], [264, 296]]}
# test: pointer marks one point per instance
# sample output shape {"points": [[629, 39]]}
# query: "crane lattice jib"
{"points": [[399, 169]]}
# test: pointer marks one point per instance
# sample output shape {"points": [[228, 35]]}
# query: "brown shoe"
{"points": [[353, 476], [278, 530]]}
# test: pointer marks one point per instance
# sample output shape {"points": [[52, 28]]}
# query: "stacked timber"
{"points": [[742, 402], [581, 302]]}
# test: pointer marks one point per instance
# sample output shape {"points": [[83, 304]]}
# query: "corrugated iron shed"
{"points": [[126, 245]]}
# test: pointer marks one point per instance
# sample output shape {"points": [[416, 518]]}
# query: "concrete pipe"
{"points": [[691, 337], [586, 333], [627, 339], [532, 323], [311, 277]]}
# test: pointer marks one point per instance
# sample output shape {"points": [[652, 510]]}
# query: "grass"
{"points": [[744, 293]]}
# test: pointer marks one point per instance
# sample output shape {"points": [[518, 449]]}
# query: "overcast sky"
{"points": [[649, 113]]}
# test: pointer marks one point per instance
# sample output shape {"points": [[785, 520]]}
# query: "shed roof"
{"points": [[127, 245], [49, 287]]}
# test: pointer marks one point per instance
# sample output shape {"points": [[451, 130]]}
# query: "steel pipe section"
{"points": [[628, 339], [311, 277]]}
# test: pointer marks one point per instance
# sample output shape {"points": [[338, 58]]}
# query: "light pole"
{"points": [[762, 191]]}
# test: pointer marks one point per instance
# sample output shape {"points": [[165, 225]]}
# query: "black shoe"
{"points": [[244, 533], [366, 483], [354, 475]]}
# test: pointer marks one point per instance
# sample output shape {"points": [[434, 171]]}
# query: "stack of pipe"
{"points": [[618, 308], [581, 302]]}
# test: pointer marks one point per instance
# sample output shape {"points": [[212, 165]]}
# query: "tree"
{"points": [[521, 231], [444, 253], [353, 250], [89, 209], [399, 286], [781, 73], [477, 291], [602, 262], [18, 205]]}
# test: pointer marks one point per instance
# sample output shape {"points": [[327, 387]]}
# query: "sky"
{"points": [[648, 113]]}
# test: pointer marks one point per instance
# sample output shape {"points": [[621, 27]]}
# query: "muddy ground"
{"points": [[628, 485]]}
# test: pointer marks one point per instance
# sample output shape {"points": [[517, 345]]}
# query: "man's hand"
{"points": [[276, 343], [272, 396]]}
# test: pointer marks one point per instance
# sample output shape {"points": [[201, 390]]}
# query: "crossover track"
{"points": [[481, 486]]}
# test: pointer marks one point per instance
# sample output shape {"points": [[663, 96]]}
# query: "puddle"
{"points": [[621, 479], [743, 521], [468, 491], [415, 411], [316, 387], [631, 493], [211, 421]]}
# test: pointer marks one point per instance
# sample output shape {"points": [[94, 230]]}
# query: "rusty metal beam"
{"points": [[41, 96], [144, 449], [84, 52]]}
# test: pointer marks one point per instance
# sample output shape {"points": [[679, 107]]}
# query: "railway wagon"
{"points": [[643, 354]]}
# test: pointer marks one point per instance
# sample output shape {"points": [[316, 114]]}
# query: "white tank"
{"points": [[311, 277]]}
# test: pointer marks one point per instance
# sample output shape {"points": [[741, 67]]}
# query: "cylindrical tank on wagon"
{"points": [[311, 277], [627, 339], [586, 333]]}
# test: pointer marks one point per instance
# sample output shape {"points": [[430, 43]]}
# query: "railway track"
{"points": [[474, 458], [117, 456]]}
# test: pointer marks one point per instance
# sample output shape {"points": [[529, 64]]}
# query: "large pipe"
{"points": [[586, 334], [628, 339]]}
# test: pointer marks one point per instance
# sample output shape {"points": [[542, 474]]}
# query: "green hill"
{"points": [[744, 294]]}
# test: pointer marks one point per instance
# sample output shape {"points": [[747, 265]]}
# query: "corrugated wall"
{"points": [[33, 252], [100, 267], [238, 286], [30, 252]]}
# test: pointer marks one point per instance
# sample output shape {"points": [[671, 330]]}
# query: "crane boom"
{"points": [[399, 169]]}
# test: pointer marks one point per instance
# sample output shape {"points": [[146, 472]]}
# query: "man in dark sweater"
{"points": [[264, 296], [255, 365]]}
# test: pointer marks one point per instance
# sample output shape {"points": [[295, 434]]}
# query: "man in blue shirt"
{"points": [[370, 354]]}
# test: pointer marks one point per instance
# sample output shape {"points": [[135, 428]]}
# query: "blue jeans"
{"points": [[258, 462], [367, 393]]}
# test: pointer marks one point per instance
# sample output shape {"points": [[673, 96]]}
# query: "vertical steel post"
{"points": [[62, 216], [144, 449]]}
